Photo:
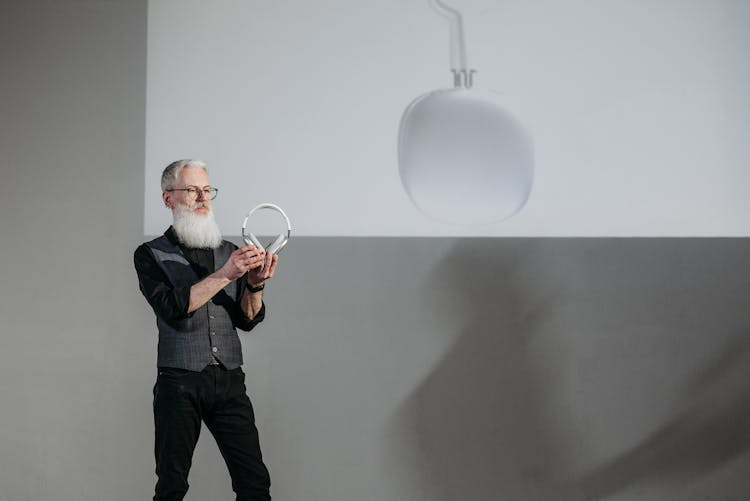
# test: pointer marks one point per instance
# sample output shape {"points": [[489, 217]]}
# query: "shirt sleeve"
{"points": [[168, 302]]}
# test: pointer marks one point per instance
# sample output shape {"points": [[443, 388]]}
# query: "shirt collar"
{"points": [[172, 236]]}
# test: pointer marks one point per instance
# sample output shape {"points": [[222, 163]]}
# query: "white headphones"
{"points": [[279, 242]]}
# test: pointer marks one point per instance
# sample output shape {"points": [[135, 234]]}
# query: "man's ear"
{"points": [[167, 197]]}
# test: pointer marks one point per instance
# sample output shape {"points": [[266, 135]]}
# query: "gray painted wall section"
{"points": [[388, 369]]}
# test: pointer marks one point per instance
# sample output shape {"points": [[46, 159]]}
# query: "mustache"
{"points": [[196, 205]]}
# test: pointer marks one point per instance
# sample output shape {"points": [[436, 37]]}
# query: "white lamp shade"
{"points": [[463, 159]]}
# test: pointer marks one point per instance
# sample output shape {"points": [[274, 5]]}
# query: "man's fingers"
{"points": [[250, 249], [262, 266], [269, 267], [247, 262], [258, 261], [272, 268], [251, 255]]}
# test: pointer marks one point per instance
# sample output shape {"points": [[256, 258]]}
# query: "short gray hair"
{"points": [[172, 171]]}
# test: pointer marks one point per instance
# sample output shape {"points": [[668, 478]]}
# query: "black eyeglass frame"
{"points": [[193, 190]]}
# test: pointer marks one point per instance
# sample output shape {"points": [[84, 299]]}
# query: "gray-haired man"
{"points": [[202, 288]]}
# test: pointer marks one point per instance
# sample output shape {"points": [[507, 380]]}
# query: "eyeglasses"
{"points": [[193, 191]]}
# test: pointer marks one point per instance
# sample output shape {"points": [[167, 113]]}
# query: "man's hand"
{"points": [[258, 275], [242, 260], [252, 301]]}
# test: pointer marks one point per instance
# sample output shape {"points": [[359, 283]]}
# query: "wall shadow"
{"points": [[711, 429], [471, 428], [646, 319]]}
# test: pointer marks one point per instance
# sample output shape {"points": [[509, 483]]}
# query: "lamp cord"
{"points": [[462, 75]]}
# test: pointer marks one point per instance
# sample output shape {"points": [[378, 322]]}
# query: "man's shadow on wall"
{"points": [[471, 428], [475, 428], [711, 429]]}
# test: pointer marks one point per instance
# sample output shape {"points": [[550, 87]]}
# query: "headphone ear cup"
{"points": [[286, 241], [276, 245], [255, 241]]}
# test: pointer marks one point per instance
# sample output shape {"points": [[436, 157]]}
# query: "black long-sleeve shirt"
{"points": [[170, 302]]}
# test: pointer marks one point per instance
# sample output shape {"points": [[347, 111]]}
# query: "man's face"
{"points": [[197, 203]]}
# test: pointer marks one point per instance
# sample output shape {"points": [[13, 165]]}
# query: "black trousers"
{"points": [[216, 396]]}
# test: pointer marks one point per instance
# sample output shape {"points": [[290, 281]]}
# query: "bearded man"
{"points": [[202, 289]]}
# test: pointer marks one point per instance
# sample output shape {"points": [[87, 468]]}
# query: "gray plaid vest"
{"points": [[192, 343]]}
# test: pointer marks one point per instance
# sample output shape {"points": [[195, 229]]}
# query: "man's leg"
{"points": [[177, 422], [232, 423]]}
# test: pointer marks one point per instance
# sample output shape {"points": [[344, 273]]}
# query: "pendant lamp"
{"points": [[462, 157]]}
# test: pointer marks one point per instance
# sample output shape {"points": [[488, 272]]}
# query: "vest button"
{"points": [[214, 349]]}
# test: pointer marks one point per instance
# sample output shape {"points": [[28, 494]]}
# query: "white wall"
{"points": [[639, 110]]}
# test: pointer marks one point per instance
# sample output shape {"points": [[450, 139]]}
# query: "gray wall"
{"points": [[388, 369]]}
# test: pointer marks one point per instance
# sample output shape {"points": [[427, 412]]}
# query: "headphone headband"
{"points": [[280, 241]]}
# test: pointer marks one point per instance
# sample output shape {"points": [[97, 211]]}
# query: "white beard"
{"points": [[197, 231]]}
